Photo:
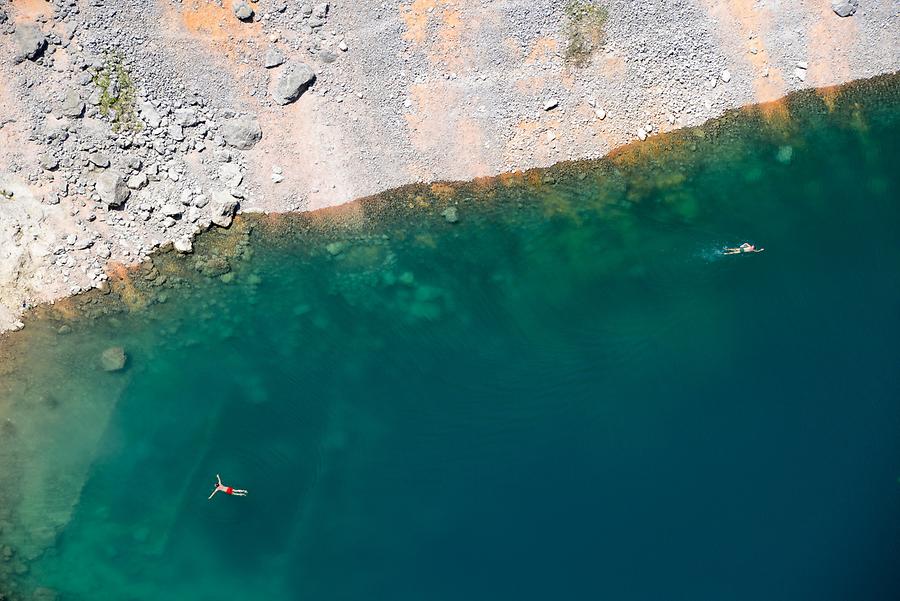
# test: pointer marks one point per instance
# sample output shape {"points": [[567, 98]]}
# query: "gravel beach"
{"points": [[131, 124]]}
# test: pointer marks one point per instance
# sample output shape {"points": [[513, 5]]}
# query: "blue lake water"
{"points": [[569, 393]]}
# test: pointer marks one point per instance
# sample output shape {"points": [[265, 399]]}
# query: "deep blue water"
{"points": [[568, 394]]}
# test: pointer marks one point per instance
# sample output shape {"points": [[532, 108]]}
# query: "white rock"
{"points": [[844, 8], [601, 114], [550, 104], [725, 75], [184, 245], [800, 73], [171, 210], [641, 134], [802, 64]]}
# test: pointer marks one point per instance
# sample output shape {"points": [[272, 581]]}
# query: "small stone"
{"points": [[550, 104], [844, 8], [150, 115], [113, 359], [242, 11], [176, 132], [273, 58], [295, 79], [138, 181], [800, 74], [224, 206], [725, 75], [327, 56], [111, 188], [230, 174], [49, 162], [72, 106], [187, 117], [99, 160], [171, 210], [342, 46], [184, 245], [601, 114], [242, 133], [641, 134]]}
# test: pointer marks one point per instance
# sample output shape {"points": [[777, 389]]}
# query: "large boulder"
{"points": [[113, 359], [72, 105], [844, 8], [242, 133], [223, 206], [30, 43], [294, 80], [112, 188]]}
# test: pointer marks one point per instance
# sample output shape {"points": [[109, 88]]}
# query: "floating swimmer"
{"points": [[228, 490], [746, 247]]}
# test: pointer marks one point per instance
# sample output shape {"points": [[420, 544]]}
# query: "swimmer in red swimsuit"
{"points": [[227, 489]]}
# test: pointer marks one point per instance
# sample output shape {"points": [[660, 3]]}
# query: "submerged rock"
{"points": [[450, 215], [113, 359]]}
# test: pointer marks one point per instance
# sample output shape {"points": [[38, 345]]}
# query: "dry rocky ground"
{"points": [[126, 124]]}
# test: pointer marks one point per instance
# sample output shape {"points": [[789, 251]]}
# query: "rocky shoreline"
{"points": [[127, 126]]}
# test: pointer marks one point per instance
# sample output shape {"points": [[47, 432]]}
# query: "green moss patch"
{"points": [[584, 30], [117, 101]]}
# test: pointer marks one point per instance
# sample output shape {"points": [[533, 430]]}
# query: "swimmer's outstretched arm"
{"points": [[219, 479], [215, 490]]}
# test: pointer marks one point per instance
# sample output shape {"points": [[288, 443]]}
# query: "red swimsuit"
{"points": [[229, 490]]}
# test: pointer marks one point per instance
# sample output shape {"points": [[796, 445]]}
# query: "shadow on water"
{"points": [[549, 382]]}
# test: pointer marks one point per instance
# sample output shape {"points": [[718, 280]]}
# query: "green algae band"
{"points": [[548, 385]]}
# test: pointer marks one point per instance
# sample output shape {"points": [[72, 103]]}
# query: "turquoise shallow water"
{"points": [[569, 392]]}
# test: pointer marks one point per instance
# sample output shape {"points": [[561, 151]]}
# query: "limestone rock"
{"points": [[242, 133], [242, 11], [150, 115], [98, 159], [72, 105], [138, 181], [223, 207], [30, 43], [844, 8], [113, 359], [273, 58], [171, 209], [184, 245], [112, 189], [49, 162], [297, 77], [187, 117]]}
